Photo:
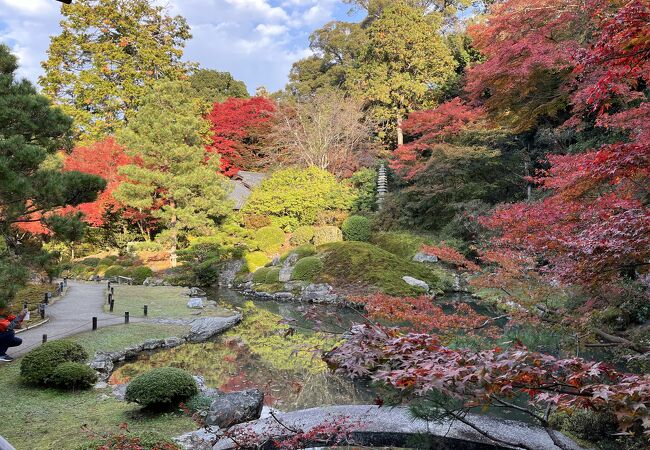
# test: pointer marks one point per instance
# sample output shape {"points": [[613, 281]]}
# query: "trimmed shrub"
{"points": [[302, 235], [307, 268], [334, 217], [325, 235], [161, 387], [140, 273], [90, 262], [39, 364], [356, 228], [256, 221], [73, 375], [115, 271], [255, 260], [260, 275], [269, 239], [143, 246], [294, 197], [273, 275]]}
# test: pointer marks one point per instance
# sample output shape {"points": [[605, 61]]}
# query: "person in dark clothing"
{"points": [[8, 337]]}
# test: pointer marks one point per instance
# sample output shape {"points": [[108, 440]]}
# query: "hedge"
{"points": [[39, 364], [161, 387], [302, 235]]}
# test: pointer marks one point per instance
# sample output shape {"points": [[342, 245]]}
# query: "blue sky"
{"points": [[255, 40]]}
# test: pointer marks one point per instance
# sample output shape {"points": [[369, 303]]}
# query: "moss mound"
{"points": [[360, 266]]}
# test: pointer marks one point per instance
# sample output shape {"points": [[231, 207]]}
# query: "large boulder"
{"points": [[235, 407], [195, 302], [202, 439], [204, 328], [422, 257], [318, 293], [416, 283], [287, 267], [229, 271]]}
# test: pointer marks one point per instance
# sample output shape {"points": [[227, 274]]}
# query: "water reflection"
{"points": [[264, 352]]}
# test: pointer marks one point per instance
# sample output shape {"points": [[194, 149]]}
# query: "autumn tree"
{"points": [[30, 191], [327, 131], [175, 176], [214, 86], [239, 128], [108, 52], [402, 65], [592, 225]]}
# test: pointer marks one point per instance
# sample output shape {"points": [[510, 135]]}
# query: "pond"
{"points": [[275, 349]]}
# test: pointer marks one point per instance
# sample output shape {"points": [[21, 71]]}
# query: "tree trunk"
{"points": [[173, 234], [400, 133]]}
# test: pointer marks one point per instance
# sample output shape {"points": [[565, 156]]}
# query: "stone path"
{"points": [[70, 315]]}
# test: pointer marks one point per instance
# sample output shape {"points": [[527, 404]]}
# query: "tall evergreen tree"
{"points": [[107, 53], [403, 65], [214, 86], [30, 190], [175, 176]]}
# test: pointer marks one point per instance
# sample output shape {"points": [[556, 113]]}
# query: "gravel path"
{"points": [[70, 315]]}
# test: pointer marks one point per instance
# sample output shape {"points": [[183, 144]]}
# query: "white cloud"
{"points": [[266, 29], [30, 7]]}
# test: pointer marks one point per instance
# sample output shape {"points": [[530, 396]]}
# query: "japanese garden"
{"points": [[428, 229]]}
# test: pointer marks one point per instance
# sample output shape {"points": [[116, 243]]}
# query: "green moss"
{"points": [[364, 265], [403, 244]]}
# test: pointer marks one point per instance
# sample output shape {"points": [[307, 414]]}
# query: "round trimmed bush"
{"points": [[140, 273], [273, 275], [260, 275], [356, 228], [269, 239], [302, 235], [307, 268], [161, 387], [115, 271], [73, 375], [255, 260], [39, 364], [327, 234]]}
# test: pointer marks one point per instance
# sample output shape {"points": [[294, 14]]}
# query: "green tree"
{"points": [[294, 197], [31, 188], [107, 53], [175, 176], [403, 65], [336, 46], [213, 86]]}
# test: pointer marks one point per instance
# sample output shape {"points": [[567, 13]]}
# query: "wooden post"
{"points": [[126, 317], [41, 310], [110, 298], [112, 291], [44, 338], [145, 310], [94, 323], [46, 298], [111, 305]]}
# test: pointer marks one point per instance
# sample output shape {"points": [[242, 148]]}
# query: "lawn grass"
{"points": [[36, 418], [162, 302]]}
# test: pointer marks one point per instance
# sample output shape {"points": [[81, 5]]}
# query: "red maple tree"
{"points": [[238, 127], [103, 158]]}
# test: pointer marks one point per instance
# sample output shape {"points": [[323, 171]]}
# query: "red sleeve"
{"points": [[10, 317], [4, 323]]}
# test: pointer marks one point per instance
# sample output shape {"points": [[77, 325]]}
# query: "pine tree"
{"points": [[175, 176], [30, 190]]}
